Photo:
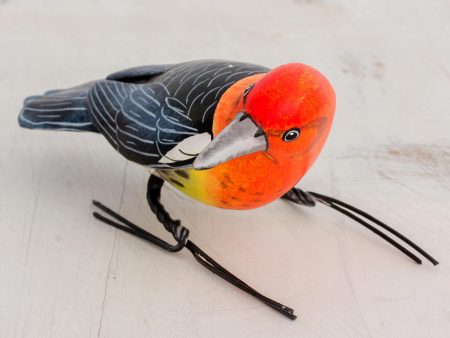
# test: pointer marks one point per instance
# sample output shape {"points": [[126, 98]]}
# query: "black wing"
{"points": [[200, 85], [150, 124], [104, 103], [141, 121], [164, 120]]}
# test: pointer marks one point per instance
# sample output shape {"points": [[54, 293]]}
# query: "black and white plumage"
{"points": [[159, 116]]}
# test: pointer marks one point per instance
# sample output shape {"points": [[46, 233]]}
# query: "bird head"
{"points": [[285, 114]]}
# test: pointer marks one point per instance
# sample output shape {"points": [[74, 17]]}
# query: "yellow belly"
{"points": [[243, 183]]}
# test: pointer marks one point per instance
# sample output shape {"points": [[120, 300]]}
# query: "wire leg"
{"points": [[133, 229], [309, 198], [181, 234]]}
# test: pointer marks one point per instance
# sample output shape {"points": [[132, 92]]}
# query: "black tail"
{"points": [[58, 110]]}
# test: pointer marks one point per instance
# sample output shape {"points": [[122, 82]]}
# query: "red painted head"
{"points": [[287, 113], [294, 104], [268, 131]]}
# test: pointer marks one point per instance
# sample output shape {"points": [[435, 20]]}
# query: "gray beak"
{"points": [[241, 137]]}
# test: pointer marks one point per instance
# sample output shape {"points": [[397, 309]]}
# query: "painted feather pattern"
{"points": [[143, 112]]}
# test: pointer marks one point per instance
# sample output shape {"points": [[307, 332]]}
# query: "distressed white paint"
{"points": [[63, 274]]}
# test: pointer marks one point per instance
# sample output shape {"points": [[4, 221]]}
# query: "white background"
{"points": [[64, 274]]}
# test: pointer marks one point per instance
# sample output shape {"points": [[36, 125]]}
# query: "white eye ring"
{"points": [[291, 135]]}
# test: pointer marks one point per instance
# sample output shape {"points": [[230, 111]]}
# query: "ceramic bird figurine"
{"points": [[229, 134]]}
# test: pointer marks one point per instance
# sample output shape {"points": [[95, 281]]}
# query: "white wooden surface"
{"points": [[63, 274]]}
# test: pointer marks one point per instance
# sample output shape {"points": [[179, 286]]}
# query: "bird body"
{"points": [[229, 134], [213, 129]]}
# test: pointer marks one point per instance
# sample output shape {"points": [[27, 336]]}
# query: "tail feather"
{"points": [[58, 110]]}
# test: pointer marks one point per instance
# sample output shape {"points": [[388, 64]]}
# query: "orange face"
{"points": [[292, 109]]}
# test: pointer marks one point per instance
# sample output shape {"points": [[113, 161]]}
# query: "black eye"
{"points": [[291, 135], [246, 91]]}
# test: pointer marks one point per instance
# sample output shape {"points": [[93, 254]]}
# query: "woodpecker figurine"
{"points": [[229, 134]]}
